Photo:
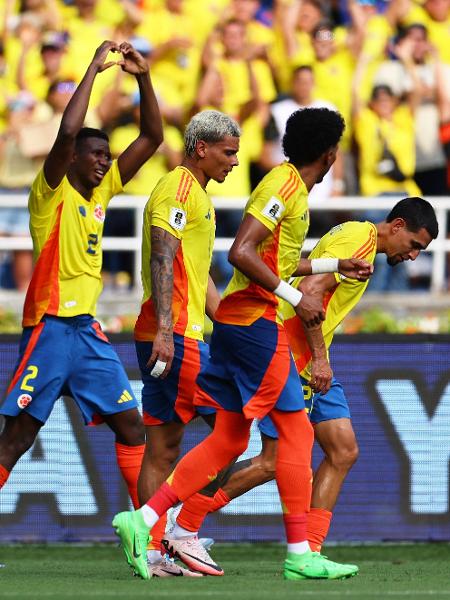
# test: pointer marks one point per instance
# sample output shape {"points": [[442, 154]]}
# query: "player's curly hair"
{"points": [[417, 214], [310, 132]]}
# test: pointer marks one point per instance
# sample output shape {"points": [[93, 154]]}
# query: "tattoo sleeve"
{"points": [[164, 247]]}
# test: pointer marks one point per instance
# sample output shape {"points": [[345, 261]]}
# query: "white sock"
{"points": [[299, 547], [154, 557], [149, 515], [179, 532]]}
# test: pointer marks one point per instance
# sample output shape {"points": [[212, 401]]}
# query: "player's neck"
{"points": [[75, 182]]}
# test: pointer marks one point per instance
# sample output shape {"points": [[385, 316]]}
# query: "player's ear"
{"points": [[201, 148], [397, 224]]}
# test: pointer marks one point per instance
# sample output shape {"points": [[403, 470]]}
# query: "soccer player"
{"points": [[408, 228], [63, 349], [251, 372], [178, 239]]}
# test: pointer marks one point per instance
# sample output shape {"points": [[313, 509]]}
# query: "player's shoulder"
{"points": [[283, 181], [178, 184]]}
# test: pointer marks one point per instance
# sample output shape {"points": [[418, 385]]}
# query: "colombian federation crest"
{"points": [[99, 213], [24, 400]]}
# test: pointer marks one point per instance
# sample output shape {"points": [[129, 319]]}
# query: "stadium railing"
{"points": [[352, 204]]}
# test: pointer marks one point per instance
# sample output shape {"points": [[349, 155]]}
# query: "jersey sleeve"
{"points": [[267, 205], [170, 211]]}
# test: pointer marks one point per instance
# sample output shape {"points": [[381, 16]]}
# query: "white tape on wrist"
{"points": [[158, 368], [288, 293], [324, 265]]}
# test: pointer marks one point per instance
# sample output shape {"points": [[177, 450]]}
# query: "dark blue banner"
{"points": [[68, 487]]}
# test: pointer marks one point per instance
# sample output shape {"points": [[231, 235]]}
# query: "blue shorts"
{"points": [[320, 407], [68, 356], [250, 370], [171, 399]]}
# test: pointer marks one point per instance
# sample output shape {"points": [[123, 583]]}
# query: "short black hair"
{"points": [[417, 214], [88, 132], [379, 89], [300, 69], [310, 132]]}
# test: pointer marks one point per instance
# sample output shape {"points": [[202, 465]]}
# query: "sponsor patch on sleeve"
{"points": [[274, 209], [177, 218]]}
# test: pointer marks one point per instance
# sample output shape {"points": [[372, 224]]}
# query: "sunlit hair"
{"points": [[210, 126], [417, 214]]}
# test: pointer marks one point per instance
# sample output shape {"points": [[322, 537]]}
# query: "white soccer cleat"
{"points": [[193, 554], [168, 568]]}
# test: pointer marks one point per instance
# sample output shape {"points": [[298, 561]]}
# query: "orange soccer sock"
{"points": [[157, 532], [194, 511], [4, 474], [318, 524], [221, 499], [129, 459], [293, 470], [200, 466]]}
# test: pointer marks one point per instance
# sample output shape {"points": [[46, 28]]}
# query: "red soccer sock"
{"points": [[221, 499], [129, 459], [318, 524], [158, 531], [200, 466], [194, 511], [293, 470], [4, 474]]}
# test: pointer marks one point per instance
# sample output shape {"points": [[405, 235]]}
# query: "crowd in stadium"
{"points": [[384, 65]]}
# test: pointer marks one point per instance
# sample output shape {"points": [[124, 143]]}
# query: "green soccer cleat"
{"points": [[134, 535], [313, 565]]}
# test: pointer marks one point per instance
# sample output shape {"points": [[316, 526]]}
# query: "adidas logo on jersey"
{"points": [[125, 397]]}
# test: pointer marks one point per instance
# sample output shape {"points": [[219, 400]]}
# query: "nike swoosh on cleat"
{"points": [[202, 561], [135, 553], [171, 573]]}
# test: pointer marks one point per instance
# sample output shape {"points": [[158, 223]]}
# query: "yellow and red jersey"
{"points": [[352, 239], [280, 202], [181, 206], [67, 233]]}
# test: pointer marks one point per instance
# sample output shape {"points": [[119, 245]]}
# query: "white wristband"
{"points": [[158, 368], [324, 265], [288, 293]]}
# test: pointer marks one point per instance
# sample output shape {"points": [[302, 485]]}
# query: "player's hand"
{"points": [[132, 62], [310, 310], [101, 53], [355, 268], [160, 361], [321, 375]]}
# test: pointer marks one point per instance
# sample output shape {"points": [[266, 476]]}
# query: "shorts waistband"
{"points": [[76, 321]]}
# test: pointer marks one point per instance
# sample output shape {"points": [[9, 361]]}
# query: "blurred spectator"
{"points": [[413, 48], [303, 95]]}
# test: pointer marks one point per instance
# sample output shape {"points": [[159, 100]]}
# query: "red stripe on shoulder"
{"points": [[181, 186]]}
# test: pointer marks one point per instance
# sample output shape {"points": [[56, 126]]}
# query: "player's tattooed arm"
{"points": [[164, 247]]}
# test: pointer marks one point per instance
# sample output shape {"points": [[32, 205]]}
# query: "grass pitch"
{"points": [[251, 571]]}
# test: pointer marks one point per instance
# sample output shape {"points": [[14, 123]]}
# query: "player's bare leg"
{"points": [[16, 438], [338, 442]]}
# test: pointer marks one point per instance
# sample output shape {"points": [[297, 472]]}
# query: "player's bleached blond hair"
{"points": [[211, 126]]}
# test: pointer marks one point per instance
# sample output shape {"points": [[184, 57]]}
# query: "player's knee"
{"points": [[345, 457], [129, 429], [13, 448]]}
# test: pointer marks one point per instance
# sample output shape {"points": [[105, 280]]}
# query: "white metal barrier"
{"points": [[438, 248]]}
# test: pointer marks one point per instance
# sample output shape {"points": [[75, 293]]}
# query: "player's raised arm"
{"points": [[61, 154], [244, 256], [151, 130], [164, 247]]}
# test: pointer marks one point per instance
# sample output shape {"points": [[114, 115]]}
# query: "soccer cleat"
{"points": [[206, 542], [134, 536], [193, 554], [167, 568], [313, 565]]}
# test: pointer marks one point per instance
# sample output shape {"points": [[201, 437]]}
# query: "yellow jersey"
{"points": [[67, 233], [280, 202], [352, 239], [179, 205]]}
